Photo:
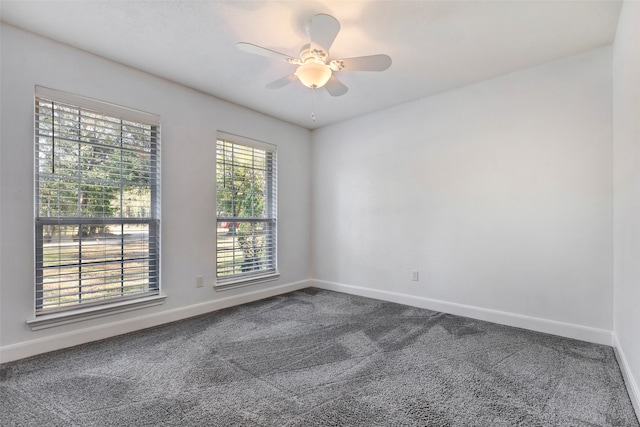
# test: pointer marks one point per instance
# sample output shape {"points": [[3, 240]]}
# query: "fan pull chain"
{"points": [[313, 99]]}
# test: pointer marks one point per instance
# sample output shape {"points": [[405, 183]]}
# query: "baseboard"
{"points": [[56, 342], [629, 380], [584, 333]]}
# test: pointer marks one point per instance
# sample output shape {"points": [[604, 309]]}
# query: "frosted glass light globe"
{"points": [[313, 74]]}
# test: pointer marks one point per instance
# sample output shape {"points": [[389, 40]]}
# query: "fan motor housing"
{"points": [[318, 55]]}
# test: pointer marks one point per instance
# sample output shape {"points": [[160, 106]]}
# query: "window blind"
{"points": [[246, 210], [97, 204]]}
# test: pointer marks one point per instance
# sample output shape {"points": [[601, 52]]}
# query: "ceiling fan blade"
{"points": [[335, 87], [323, 31], [362, 63], [277, 84], [263, 51]]}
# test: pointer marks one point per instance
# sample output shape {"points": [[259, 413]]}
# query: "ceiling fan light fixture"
{"points": [[313, 74], [315, 66]]}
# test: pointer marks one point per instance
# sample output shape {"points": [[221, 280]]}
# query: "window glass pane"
{"points": [[246, 210], [94, 262], [245, 247], [97, 225]]}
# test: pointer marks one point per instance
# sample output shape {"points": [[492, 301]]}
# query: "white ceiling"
{"points": [[435, 45]]}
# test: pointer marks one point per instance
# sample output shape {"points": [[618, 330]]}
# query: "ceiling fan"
{"points": [[314, 67]]}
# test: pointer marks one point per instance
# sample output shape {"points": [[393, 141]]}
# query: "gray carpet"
{"points": [[319, 358]]}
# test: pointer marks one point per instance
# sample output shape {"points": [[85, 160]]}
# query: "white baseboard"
{"points": [[56, 342], [584, 333], [629, 380]]}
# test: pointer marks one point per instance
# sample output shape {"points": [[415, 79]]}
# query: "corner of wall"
{"points": [[626, 148]]}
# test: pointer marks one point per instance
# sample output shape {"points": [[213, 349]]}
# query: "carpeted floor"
{"points": [[320, 358]]}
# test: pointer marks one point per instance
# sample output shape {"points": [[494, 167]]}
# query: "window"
{"points": [[246, 210], [97, 202]]}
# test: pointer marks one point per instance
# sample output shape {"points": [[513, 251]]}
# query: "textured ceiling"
{"points": [[435, 45]]}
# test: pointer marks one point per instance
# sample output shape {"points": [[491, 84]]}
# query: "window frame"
{"points": [[271, 217], [125, 300]]}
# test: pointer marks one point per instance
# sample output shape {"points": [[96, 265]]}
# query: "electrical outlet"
{"points": [[199, 281], [414, 275]]}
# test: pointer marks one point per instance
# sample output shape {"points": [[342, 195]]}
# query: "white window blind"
{"points": [[97, 204], [246, 209]]}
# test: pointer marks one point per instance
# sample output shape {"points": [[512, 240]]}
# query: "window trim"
{"points": [[236, 281], [239, 282], [80, 314], [106, 108], [126, 302]]}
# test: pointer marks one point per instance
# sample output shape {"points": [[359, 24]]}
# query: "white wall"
{"points": [[626, 142], [499, 193], [190, 121]]}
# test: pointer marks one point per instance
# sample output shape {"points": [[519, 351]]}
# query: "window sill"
{"points": [[246, 281], [81, 314]]}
